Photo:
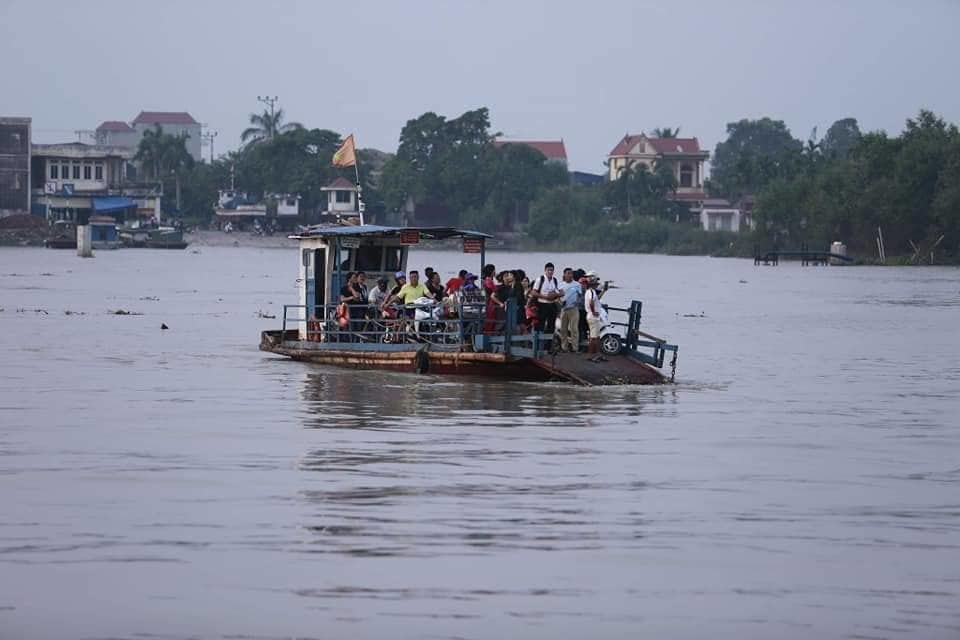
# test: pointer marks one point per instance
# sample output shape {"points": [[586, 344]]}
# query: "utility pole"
{"points": [[209, 136], [267, 100]]}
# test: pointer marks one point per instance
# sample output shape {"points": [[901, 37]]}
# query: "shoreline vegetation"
{"points": [[848, 186]]}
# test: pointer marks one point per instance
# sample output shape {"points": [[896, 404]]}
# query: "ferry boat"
{"points": [[455, 338]]}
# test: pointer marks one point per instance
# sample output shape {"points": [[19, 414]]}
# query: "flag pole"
{"points": [[356, 170]]}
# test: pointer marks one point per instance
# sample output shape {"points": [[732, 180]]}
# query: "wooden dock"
{"points": [[805, 257]]}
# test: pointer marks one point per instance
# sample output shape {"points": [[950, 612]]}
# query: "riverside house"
{"points": [[683, 155], [73, 181]]}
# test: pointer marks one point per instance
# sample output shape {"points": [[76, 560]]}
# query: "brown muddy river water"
{"points": [[801, 479]]}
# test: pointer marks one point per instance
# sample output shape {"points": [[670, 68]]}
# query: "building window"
{"points": [[87, 171], [54, 172], [64, 172], [686, 175], [343, 197], [98, 171], [76, 171]]}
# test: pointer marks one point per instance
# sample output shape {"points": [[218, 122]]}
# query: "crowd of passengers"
{"points": [[567, 310]]}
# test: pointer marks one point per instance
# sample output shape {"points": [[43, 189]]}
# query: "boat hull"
{"points": [[420, 358]]}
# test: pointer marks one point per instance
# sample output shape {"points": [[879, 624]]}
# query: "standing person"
{"points": [[547, 291], [489, 285], [434, 287], [454, 284], [362, 287], [502, 295], [595, 318], [350, 297], [570, 315]]}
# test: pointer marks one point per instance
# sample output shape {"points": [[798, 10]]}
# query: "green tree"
{"points": [[755, 153], [841, 137]]}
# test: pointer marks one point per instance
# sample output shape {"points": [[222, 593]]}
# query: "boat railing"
{"points": [[454, 324], [641, 345]]}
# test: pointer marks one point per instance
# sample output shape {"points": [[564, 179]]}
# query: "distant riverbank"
{"points": [[214, 238]]}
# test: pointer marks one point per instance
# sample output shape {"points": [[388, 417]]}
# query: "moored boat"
{"points": [[450, 338], [63, 235]]}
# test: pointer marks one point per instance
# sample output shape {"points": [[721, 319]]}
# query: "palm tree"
{"points": [[266, 126], [665, 132]]}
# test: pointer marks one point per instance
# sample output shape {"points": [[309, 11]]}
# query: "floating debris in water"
{"points": [[68, 312], [695, 315], [43, 311], [743, 282], [163, 327], [153, 298], [123, 312], [267, 316]]}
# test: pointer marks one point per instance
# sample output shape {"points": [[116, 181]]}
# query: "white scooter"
{"points": [[611, 342]]}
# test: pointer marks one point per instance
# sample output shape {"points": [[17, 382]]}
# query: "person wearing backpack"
{"points": [[546, 288]]}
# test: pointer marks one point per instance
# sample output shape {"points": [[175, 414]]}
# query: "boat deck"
{"points": [[577, 368]]}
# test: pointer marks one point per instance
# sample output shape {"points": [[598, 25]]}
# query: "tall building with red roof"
{"points": [[115, 133], [683, 155]]}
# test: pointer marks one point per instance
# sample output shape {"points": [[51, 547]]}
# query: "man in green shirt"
{"points": [[411, 291]]}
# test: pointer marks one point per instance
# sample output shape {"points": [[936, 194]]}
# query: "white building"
{"points": [[718, 214], [288, 205], [73, 181], [341, 198]]}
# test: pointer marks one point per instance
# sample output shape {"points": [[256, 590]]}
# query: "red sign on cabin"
{"points": [[409, 237], [472, 245]]}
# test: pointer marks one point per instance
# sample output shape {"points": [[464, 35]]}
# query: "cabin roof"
{"points": [[376, 230]]}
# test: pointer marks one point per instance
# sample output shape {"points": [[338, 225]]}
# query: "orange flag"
{"points": [[346, 155]]}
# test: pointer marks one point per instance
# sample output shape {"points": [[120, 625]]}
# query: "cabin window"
{"points": [[87, 171], [391, 261], [343, 197], [686, 175], [368, 259], [98, 171], [345, 256], [54, 172]]}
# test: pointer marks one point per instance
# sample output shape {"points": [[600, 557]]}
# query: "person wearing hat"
{"points": [[595, 316], [401, 279]]}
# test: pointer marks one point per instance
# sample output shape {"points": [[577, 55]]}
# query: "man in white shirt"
{"points": [[547, 290], [596, 318]]}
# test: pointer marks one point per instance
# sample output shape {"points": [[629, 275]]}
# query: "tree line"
{"points": [[841, 186]]}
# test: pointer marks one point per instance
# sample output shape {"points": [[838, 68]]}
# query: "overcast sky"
{"points": [[584, 71]]}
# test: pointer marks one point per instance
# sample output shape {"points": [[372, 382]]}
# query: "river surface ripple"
{"points": [[801, 480]]}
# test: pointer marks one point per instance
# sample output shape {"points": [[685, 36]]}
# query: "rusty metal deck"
{"points": [[577, 368]]}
